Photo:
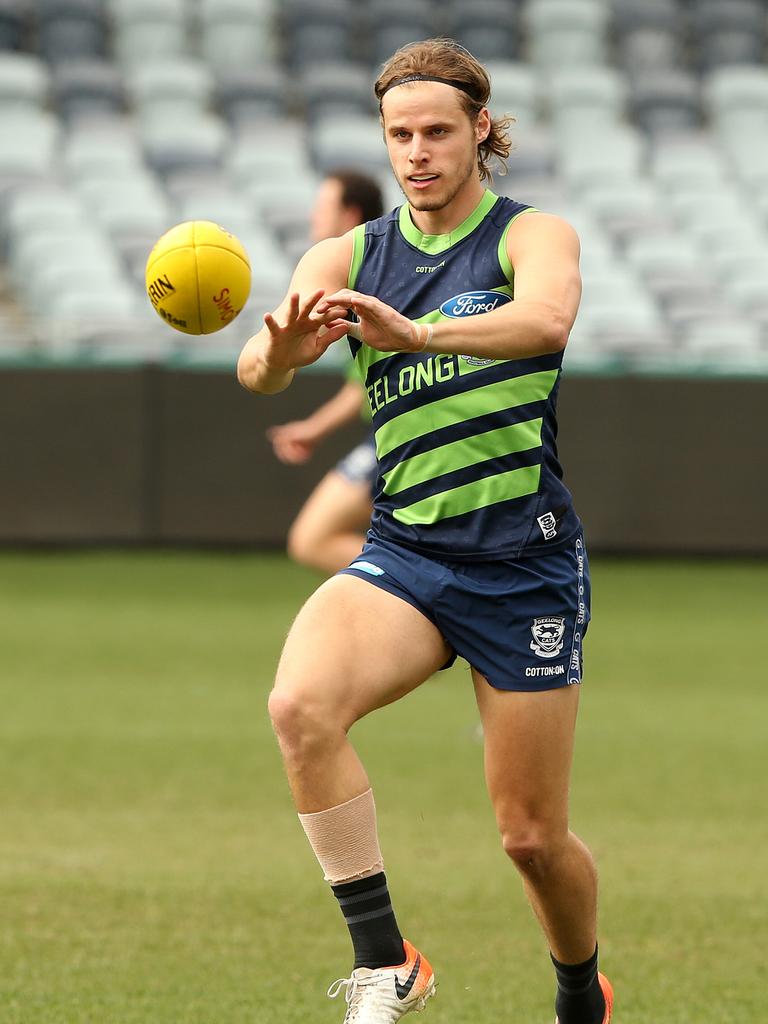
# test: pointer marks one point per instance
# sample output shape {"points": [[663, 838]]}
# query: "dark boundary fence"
{"points": [[154, 455]]}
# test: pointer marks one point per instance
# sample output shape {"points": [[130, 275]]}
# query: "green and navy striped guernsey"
{"points": [[468, 464]]}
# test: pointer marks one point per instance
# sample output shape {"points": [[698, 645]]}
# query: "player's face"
{"points": [[327, 220], [432, 142]]}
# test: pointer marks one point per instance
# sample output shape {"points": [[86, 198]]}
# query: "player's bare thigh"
{"points": [[528, 740], [355, 647]]}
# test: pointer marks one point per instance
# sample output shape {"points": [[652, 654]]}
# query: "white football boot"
{"points": [[385, 994]]}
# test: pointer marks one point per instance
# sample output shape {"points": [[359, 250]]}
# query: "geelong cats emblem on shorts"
{"points": [[548, 632]]}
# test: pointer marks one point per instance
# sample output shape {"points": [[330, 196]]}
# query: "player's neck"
{"points": [[447, 219]]}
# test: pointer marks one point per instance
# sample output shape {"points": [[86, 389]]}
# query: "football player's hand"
{"points": [[294, 442], [380, 326], [306, 333]]}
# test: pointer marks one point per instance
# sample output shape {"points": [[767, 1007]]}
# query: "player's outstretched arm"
{"points": [[544, 252], [295, 442], [297, 333]]}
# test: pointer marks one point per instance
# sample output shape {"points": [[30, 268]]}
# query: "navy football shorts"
{"points": [[520, 622], [360, 466]]}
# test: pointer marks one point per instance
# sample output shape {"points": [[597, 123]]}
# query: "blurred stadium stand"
{"points": [[645, 124]]}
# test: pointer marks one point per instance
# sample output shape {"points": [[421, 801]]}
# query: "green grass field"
{"points": [[152, 870]]}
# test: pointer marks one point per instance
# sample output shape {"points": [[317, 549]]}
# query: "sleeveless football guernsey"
{"points": [[468, 464]]}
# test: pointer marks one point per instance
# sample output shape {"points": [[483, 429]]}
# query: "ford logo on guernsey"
{"points": [[472, 303]]}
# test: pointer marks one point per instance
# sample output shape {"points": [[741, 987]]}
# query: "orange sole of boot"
{"points": [[607, 989]]}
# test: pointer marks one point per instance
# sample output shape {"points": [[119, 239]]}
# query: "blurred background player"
{"points": [[329, 530]]}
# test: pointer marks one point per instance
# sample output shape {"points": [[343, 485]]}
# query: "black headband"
{"points": [[464, 86]]}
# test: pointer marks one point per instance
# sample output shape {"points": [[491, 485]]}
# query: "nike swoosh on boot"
{"points": [[403, 990]]}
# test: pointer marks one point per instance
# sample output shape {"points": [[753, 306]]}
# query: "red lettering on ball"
{"points": [[226, 312]]}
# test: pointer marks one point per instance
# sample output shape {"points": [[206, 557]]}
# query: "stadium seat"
{"points": [[221, 205], [593, 97], [104, 185], [732, 89], [100, 286], [172, 88], [41, 206], [489, 29], [731, 33], [736, 257], [533, 153], [127, 210], [24, 82], [106, 148], [237, 35], [584, 159], [721, 49], [724, 231], [111, 325], [390, 24], [284, 207], [515, 90], [629, 14], [709, 198], [87, 88], [626, 208], [748, 158], [759, 190], [672, 266], [47, 263], [29, 145], [337, 90], [623, 327], [681, 161], [358, 139], [13, 24], [110, 195], [563, 33], [666, 101], [319, 31], [541, 191], [282, 201], [737, 98], [723, 336], [208, 10], [260, 244], [143, 29], [648, 34], [643, 51], [248, 160], [193, 143], [71, 29], [747, 294], [253, 94], [655, 254]]}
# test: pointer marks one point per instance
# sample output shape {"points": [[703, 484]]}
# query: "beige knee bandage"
{"points": [[345, 839]]}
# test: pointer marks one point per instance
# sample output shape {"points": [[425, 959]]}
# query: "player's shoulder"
{"points": [[334, 253], [549, 228], [324, 265], [332, 248]]}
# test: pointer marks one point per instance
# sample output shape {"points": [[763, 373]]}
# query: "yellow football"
{"points": [[198, 277]]}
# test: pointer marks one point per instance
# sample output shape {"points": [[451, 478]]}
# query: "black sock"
{"points": [[367, 909], [580, 999]]}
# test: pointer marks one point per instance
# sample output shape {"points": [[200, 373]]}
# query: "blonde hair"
{"points": [[446, 59]]}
